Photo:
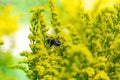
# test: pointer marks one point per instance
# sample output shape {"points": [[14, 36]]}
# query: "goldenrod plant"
{"points": [[82, 47]]}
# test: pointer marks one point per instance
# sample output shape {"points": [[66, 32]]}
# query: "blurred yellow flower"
{"points": [[8, 22]]}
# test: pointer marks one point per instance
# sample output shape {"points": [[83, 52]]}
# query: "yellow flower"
{"points": [[101, 75], [8, 23]]}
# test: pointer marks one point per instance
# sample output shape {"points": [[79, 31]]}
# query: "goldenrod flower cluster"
{"points": [[82, 48]]}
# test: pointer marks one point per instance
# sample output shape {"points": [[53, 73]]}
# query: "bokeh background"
{"points": [[14, 28]]}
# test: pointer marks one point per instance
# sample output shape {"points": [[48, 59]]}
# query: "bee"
{"points": [[56, 43], [53, 41]]}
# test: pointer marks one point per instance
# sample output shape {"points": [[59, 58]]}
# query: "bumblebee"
{"points": [[52, 41]]}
